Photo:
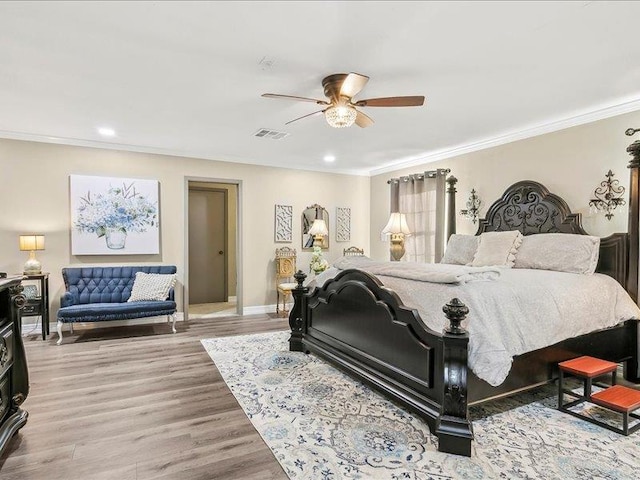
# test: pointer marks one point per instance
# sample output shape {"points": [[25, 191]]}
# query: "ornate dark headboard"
{"points": [[529, 207]]}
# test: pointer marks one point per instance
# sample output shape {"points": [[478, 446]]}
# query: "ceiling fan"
{"points": [[341, 111]]}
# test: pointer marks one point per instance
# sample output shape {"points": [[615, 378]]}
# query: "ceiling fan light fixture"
{"points": [[340, 116]]}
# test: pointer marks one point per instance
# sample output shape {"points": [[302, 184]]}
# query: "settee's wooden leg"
{"points": [[173, 325], [71, 328], [59, 333]]}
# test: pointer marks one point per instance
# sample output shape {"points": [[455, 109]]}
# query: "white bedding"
{"points": [[512, 313]]}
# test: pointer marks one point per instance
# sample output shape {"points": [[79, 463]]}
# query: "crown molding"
{"points": [[601, 113], [541, 129], [225, 158]]}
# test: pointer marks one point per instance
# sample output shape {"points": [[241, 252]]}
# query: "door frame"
{"points": [[225, 247], [238, 259]]}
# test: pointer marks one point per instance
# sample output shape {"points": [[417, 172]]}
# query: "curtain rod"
{"points": [[419, 176]]}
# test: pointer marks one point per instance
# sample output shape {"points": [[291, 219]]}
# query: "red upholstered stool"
{"points": [[615, 397], [620, 399], [586, 368]]}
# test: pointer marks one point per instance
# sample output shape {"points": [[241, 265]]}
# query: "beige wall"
{"points": [[34, 197], [570, 163]]}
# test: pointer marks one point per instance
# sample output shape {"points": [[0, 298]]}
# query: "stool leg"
{"points": [[560, 391], [587, 388], [625, 423], [614, 377]]}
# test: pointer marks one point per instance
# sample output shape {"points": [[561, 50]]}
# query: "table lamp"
{"points": [[318, 230], [31, 243], [397, 227]]}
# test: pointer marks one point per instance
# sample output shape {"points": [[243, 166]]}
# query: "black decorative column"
{"points": [[20, 378], [297, 315], [634, 209], [13, 362], [453, 427]]}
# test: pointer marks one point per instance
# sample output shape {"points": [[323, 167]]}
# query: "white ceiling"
{"points": [[185, 78]]}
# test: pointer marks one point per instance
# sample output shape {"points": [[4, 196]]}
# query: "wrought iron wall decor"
{"points": [[284, 224], [608, 196], [472, 212]]}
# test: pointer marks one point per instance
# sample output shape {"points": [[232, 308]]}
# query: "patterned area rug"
{"points": [[321, 424]]}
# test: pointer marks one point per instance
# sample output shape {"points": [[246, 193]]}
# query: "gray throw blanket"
{"points": [[422, 272]]}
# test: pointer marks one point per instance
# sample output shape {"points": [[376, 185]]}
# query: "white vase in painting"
{"points": [[115, 238]]}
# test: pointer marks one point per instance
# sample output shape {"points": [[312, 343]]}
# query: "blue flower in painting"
{"points": [[120, 208]]}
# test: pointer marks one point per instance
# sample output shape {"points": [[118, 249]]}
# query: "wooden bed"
{"points": [[360, 326]]}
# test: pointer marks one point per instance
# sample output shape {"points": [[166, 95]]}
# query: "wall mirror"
{"points": [[313, 231]]}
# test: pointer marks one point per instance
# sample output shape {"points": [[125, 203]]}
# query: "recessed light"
{"points": [[329, 158], [107, 132]]}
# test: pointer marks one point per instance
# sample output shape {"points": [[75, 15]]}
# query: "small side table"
{"points": [[39, 306]]}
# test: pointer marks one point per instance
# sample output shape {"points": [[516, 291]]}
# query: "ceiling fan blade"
{"points": [[305, 116], [292, 97], [362, 120], [415, 101], [353, 83]]}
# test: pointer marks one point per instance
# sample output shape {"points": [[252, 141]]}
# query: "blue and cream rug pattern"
{"points": [[322, 424]]}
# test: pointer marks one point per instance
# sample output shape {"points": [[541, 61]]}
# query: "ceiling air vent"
{"points": [[272, 134]]}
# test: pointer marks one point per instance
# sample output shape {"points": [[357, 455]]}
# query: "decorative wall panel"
{"points": [[343, 224], [284, 224]]}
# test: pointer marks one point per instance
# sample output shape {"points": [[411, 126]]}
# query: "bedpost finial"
{"points": [[634, 151], [456, 312], [300, 277]]}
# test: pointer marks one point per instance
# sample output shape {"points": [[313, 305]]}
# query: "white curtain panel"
{"points": [[422, 199]]}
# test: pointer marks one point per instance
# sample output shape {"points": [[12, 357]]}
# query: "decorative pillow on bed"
{"points": [[151, 286], [460, 249], [497, 249], [561, 252]]}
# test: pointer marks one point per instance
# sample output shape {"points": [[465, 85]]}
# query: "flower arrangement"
{"points": [[119, 209], [318, 264]]}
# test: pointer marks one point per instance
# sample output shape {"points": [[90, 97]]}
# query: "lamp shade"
{"points": [[31, 242], [340, 116], [318, 227], [397, 224]]}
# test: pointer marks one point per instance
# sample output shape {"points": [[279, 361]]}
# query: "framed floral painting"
{"points": [[114, 216]]}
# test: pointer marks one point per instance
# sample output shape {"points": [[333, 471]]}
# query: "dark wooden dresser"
{"points": [[14, 376]]}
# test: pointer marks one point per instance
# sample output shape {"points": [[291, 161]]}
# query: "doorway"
{"points": [[212, 225]]}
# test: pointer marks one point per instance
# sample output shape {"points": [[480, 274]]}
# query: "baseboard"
{"points": [[262, 309], [31, 329], [233, 299]]}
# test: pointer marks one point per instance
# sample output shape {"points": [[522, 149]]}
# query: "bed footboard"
{"points": [[358, 325]]}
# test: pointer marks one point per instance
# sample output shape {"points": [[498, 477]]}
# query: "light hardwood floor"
{"points": [[134, 403]]}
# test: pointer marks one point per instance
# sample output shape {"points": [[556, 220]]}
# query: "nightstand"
{"points": [[38, 306]]}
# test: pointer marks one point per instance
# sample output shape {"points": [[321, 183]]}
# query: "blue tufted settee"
{"points": [[96, 294]]}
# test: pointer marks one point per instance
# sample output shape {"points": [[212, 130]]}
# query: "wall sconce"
{"points": [[608, 196], [31, 243], [472, 212], [397, 227]]}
